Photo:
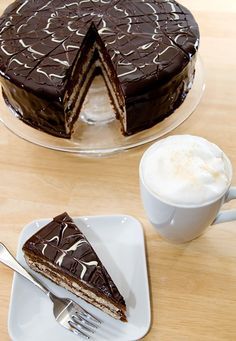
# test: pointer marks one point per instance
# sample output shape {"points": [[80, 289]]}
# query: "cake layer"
{"points": [[61, 252], [52, 273]]}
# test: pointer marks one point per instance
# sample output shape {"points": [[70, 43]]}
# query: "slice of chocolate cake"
{"points": [[61, 252]]}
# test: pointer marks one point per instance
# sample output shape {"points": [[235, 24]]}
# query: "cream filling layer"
{"points": [[79, 91], [75, 288], [122, 113]]}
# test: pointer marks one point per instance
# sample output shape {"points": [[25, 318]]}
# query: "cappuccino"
{"points": [[186, 170]]}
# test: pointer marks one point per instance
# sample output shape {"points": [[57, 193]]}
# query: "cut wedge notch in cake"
{"points": [[61, 252], [91, 61]]}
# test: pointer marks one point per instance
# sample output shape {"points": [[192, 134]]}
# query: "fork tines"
{"points": [[88, 316], [82, 323]]}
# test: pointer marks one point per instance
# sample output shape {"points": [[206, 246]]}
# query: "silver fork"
{"points": [[69, 314]]}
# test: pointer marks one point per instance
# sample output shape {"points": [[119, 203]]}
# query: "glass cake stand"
{"points": [[97, 131]]}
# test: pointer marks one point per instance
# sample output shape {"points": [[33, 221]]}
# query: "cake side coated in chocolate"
{"points": [[146, 48], [62, 248]]}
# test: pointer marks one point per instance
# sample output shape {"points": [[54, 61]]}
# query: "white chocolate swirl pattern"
{"points": [[62, 244], [40, 39]]}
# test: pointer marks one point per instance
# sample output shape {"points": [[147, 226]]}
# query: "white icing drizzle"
{"points": [[60, 259], [63, 62], [173, 9], [69, 5], [84, 1], [70, 28], [124, 63], [45, 6], [128, 72], [128, 53], [146, 46], [177, 37], [75, 246], [156, 59], [51, 75], [65, 227], [84, 268], [176, 16], [53, 238], [44, 247], [68, 47], [78, 33], [23, 5], [105, 30], [5, 51], [110, 42], [123, 18], [121, 37], [164, 51]]}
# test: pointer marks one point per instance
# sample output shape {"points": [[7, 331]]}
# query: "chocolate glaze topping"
{"points": [[39, 40], [146, 42], [63, 244]]}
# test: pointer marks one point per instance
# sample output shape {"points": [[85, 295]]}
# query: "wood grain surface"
{"points": [[193, 286]]}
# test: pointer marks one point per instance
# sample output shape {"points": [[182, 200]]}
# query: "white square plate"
{"points": [[119, 243]]}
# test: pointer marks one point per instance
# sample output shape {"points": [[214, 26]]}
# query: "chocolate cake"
{"points": [[61, 252], [50, 50]]}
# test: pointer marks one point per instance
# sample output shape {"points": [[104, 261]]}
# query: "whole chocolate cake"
{"points": [[61, 252], [50, 50]]}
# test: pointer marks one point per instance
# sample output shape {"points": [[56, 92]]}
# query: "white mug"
{"points": [[182, 223]]}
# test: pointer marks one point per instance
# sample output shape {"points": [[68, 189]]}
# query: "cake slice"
{"points": [[61, 252]]}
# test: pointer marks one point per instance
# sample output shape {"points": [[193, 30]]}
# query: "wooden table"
{"points": [[193, 286]]}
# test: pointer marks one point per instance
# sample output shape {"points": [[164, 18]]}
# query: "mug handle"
{"points": [[227, 215]]}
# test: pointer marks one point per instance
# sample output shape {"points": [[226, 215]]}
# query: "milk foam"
{"points": [[186, 170]]}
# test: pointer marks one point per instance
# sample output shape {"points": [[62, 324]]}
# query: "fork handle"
{"points": [[7, 259]]}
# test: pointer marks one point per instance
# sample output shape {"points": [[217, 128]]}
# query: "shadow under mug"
{"points": [[182, 223]]}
